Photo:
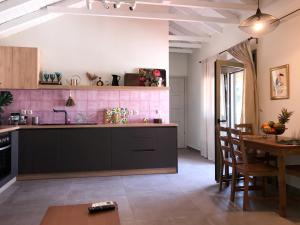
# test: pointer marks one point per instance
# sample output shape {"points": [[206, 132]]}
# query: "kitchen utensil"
{"points": [[116, 79], [70, 102], [14, 119], [35, 120], [74, 80]]}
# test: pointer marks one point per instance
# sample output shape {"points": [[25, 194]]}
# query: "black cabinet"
{"points": [[96, 149], [141, 148], [39, 151], [85, 150]]}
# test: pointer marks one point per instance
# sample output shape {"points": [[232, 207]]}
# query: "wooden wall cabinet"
{"points": [[19, 67]]}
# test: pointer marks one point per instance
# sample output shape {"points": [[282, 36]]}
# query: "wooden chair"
{"points": [[243, 167], [246, 128], [225, 152], [254, 154]]}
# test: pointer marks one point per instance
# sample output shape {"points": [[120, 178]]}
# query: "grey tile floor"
{"points": [[190, 197]]}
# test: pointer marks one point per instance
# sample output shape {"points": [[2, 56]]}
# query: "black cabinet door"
{"points": [[85, 149], [38, 151], [15, 152], [140, 148]]}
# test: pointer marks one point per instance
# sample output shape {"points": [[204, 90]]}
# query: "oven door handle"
{"points": [[4, 148]]}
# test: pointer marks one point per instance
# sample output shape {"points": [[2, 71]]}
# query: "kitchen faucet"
{"points": [[65, 112]]}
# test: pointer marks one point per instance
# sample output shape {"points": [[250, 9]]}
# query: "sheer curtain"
{"points": [[250, 112], [207, 135]]}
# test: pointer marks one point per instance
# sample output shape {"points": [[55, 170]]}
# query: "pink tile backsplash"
{"points": [[90, 104]]}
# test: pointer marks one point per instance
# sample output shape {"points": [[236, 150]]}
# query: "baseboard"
{"points": [[97, 174], [7, 185], [193, 149]]}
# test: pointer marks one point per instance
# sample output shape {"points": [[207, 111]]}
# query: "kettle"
{"points": [[115, 80]]}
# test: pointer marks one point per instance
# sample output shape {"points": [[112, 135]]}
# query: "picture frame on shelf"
{"points": [[280, 82], [152, 77]]}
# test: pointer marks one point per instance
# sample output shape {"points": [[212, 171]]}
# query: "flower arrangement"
{"points": [[149, 77], [116, 116]]}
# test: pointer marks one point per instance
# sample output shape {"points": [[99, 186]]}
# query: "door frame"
{"points": [[218, 69], [185, 105]]}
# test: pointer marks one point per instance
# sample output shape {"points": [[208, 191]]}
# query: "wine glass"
{"points": [[52, 77], [46, 76], [58, 76]]}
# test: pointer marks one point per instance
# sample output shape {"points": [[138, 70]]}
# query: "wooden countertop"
{"points": [[59, 126], [4, 129]]}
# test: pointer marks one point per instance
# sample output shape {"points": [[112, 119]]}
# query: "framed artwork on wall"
{"points": [[280, 86]]}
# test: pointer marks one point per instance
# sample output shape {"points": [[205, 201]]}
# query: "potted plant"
{"points": [[6, 98]]}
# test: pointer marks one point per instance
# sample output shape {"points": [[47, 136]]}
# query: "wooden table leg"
{"points": [[282, 185]]}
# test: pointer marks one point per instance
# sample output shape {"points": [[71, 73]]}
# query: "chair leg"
{"points": [[227, 175], [246, 196], [233, 184], [255, 181], [264, 183], [221, 176]]}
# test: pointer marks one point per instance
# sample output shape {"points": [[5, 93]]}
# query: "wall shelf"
{"points": [[86, 87]]}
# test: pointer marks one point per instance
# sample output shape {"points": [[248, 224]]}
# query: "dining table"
{"points": [[274, 146]]}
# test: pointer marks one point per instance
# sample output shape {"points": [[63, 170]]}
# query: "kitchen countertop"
{"points": [[7, 128]]}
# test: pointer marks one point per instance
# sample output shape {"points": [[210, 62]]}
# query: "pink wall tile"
{"points": [[81, 95], [124, 95], [134, 95], [89, 103]]}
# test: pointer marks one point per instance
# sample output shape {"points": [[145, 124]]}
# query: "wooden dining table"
{"points": [[281, 151]]}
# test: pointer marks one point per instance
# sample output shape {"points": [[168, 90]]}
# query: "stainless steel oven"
{"points": [[5, 155]]}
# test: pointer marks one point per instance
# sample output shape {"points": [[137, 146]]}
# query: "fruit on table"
{"points": [[284, 117], [278, 128]]}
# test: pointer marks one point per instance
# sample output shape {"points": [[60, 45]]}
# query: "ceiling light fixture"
{"points": [[116, 3], [259, 24]]}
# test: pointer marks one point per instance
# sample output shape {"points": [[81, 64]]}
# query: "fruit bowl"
{"points": [[275, 128]]}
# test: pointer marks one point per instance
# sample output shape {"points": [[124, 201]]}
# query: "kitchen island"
{"points": [[55, 151]]}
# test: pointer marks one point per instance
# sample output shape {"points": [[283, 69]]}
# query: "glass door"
{"points": [[229, 78]]}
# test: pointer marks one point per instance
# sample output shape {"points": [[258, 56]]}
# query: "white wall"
{"points": [[178, 64], [194, 102], [277, 48], [105, 46]]}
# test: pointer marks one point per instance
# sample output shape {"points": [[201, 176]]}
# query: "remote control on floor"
{"points": [[102, 206]]}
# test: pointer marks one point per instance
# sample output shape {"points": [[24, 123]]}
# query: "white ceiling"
{"points": [[191, 22]]}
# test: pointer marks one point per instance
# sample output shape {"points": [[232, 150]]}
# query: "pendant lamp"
{"points": [[259, 24]]}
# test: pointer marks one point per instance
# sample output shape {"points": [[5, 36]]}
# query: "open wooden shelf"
{"points": [[82, 87]]}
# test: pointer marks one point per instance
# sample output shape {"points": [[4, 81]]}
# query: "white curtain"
{"points": [[250, 114], [207, 87]]}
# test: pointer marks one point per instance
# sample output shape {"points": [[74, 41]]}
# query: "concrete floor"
{"points": [[190, 197]]}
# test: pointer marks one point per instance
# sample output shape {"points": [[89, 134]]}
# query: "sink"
{"points": [[61, 124]]}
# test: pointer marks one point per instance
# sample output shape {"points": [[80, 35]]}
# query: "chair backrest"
{"points": [[238, 150], [246, 128], [223, 137]]}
